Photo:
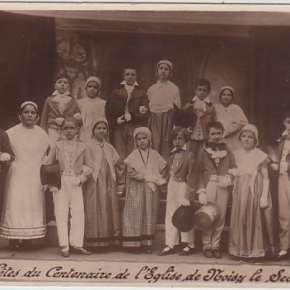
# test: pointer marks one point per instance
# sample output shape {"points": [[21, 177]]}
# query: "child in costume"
{"points": [[181, 190], [215, 162], [146, 169], [102, 217], [251, 227], [164, 98], [91, 107], [71, 154], [57, 107]]}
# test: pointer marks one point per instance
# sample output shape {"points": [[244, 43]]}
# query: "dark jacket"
{"points": [[187, 117], [115, 107], [5, 147], [207, 166], [185, 172], [279, 150], [51, 111]]}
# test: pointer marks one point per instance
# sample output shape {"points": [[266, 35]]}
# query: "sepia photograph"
{"points": [[145, 145]]}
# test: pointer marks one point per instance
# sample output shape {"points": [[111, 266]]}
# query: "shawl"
{"points": [[154, 165], [96, 152], [163, 96], [248, 163]]}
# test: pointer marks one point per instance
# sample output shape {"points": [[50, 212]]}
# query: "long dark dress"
{"points": [[102, 217]]}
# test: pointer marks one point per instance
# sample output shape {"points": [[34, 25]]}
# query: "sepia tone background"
{"points": [[247, 50]]}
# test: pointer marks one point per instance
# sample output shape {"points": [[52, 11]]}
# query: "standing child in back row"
{"points": [[164, 98], [200, 112], [91, 106], [57, 107], [126, 109]]}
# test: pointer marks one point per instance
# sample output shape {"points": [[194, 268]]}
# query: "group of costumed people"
{"points": [[139, 144]]}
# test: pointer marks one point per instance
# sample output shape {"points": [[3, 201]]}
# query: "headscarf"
{"points": [[96, 154], [97, 120], [252, 128], [167, 62], [231, 89], [143, 130], [23, 105], [96, 80]]}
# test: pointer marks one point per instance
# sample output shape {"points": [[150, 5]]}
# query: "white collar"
{"points": [[184, 148], [206, 100], [74, 139], [285, 133], [56, 93], [124, 83]]}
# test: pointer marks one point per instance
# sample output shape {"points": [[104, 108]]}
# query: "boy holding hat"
{"points": [[214, 163], [68, 200], [181, 190]]}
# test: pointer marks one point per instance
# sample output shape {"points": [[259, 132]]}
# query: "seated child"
{"points": [[72, 156], [180, 192], [214, 162], [57, 107]]}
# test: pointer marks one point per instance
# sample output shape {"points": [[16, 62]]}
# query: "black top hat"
{"points": [[50, 175], [207, 216], [183, 218]]}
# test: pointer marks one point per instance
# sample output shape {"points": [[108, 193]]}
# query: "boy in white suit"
{"points": [[71, 155]]}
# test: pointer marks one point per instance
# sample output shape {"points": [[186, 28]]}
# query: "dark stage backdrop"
{"points": [[255, 60], [27, 62]]}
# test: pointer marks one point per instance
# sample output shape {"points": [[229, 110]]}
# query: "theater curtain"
{"points": [[27, 57]]}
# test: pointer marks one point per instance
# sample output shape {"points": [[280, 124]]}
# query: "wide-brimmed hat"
{"points": [[183, 219], [50, 174], [207, 216]]}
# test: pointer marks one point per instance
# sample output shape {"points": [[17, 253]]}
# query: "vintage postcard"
{"points": [[118, 114]]}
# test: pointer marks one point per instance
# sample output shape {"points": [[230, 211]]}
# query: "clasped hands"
{"points": [[154, 179], [124, 118]]}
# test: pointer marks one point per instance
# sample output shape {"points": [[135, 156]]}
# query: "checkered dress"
{"points": [[139, 215]]}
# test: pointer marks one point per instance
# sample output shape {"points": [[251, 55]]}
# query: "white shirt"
{"points": [[129, 88], [200, 105], [231, 117], [162, 96]]}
